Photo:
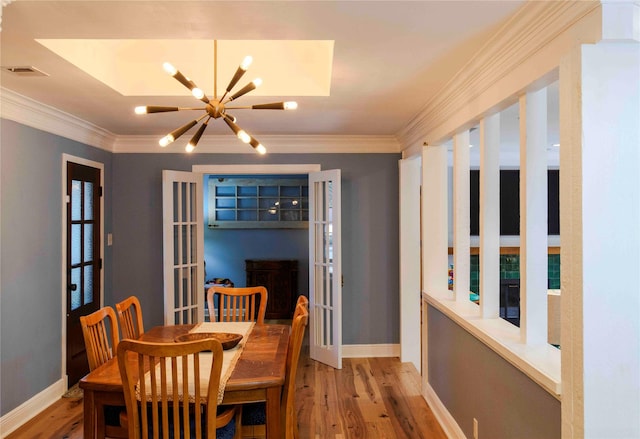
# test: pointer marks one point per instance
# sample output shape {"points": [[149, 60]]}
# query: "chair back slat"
{"points": [[100, 332], [130, 317], [245, 304], [171, 396]]}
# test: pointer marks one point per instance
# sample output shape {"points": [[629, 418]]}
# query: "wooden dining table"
{"points": [[258, 375]]}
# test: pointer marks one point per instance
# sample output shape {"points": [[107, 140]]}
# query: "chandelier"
{"points": [[215, 108]]}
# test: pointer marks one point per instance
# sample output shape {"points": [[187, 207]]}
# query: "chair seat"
{"points": [[254, 413]]}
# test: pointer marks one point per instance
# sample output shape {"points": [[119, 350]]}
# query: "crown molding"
{"points": [[229, 144], [24, 110], [524, 37]]}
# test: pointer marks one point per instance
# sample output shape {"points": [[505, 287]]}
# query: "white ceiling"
{"points": [[389, 58]]}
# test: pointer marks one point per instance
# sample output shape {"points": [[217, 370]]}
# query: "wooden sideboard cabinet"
{"points": [[280, 277]]}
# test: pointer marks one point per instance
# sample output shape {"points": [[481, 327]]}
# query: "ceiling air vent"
{"points": [[25, 71]]}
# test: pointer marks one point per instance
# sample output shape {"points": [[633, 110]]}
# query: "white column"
{"points": [[434, 219], [490, 216], [600, 231], [410, 297], [461, 220], [533, 217]]}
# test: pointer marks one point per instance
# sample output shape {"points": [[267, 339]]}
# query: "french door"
{"points": [[183, 245], [183, 252], [325, 268], [83, 260]]}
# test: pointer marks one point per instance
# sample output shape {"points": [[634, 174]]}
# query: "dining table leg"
{"points": [[89, 414], [273, 427]]}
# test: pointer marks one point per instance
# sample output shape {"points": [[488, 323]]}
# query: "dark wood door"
{"points": [[83, 260]]}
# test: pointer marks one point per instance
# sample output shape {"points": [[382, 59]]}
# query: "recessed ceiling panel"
{"points": [[134, 67]]}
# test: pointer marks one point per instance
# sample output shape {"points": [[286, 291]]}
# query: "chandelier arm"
{"points": [[244, 90], [257, 145], [196, 137], [240, 71], [195, 90], [269, 106], [239, 132], [161, 109], [173, 135]]}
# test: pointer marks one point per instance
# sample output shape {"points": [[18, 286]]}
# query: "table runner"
{"points": [[229, 359]]}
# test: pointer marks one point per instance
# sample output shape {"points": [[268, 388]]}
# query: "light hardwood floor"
{"points": [[368, 398]]}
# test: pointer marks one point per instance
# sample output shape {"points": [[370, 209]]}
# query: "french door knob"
{"points": [[73, 287]]}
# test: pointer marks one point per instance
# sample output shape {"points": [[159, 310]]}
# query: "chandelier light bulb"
{"points": [[169, 69], [166, 140], [246, 62], [141, 110], [197, 93], [189, 147], [243, 136], [257, 82], [261, 149], [291, 105]]}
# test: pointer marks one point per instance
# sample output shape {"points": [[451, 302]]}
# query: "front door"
{"points": [[83, 262]]}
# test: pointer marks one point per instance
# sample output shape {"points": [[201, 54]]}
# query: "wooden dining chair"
{"points": [[130, 317], [301, 303], [100, 332], [254, 414], [179, 401], [245, 304]]}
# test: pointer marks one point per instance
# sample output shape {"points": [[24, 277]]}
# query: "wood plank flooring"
{"points": [[368, 398]]}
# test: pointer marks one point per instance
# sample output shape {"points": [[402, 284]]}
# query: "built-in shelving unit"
{"points": [[258, 202]]}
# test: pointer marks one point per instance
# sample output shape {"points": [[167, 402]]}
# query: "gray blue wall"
{"points": [[369, 240], [31, 300], [30, 276], [472, 381]]}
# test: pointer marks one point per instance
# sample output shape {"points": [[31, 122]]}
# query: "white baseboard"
{"points": [[27, 410], [370, 350], [447, 422]]}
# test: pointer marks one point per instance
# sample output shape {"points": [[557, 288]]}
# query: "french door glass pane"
{"points": [[184, 243], [176, 244], [88, 284], [88, 242], [76, 200], [176, 201], [88, 200], [193, 236], [75, 295], [176, 287], [194, 287], [76, 243], [193, 204], [185, 287], [184, 198]]}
